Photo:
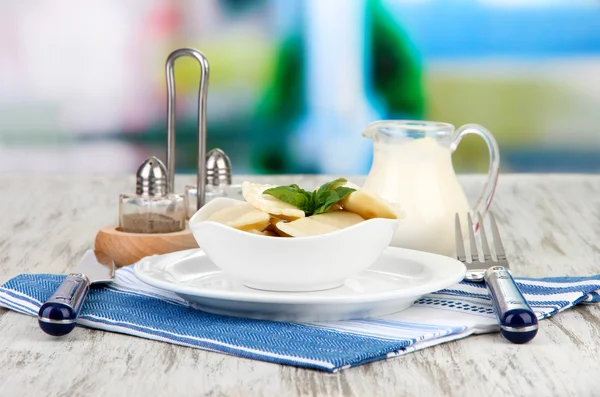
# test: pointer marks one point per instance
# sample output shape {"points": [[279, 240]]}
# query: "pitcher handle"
{"points": [[485, 199]]}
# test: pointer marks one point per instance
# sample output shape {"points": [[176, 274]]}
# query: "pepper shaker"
{"points": [[218, 181], [151, 209], [218, 168]]}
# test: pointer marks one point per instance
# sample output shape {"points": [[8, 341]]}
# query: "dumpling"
{"points": [[318, 224], [253, 194], [368, 205], [243, 217]]}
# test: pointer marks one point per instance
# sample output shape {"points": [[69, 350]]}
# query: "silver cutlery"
{"points": [[518, 322], [58, 315]]}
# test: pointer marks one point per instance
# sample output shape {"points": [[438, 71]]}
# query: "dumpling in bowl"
{"points": [[253, 194], [318, 224], [242, 217], [368, 205]]}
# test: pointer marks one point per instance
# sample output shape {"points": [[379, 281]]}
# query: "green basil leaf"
{"points": [[343, 191], [297, 188], [293, 195], [329, 198], [325, 201], [312, 203], [331, 185]]}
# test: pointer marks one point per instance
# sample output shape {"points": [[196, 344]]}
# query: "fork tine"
{"points": [[487, 255], [472, 241], [460, 246], [500, 253]]}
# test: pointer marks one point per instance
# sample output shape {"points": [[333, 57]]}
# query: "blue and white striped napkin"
{"points": [[131, 307]]}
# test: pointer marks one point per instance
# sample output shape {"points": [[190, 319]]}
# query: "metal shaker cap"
{"points": [[151, 178], [218, 168]]}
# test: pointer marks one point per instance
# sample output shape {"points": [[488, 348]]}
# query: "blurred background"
{"points": [[293, 83]]}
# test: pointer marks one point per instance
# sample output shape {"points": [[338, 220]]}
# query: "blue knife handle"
{"points": [[518, 322], [59, 314]]}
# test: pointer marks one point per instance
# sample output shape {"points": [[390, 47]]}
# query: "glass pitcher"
{"points": [[412, 167]]}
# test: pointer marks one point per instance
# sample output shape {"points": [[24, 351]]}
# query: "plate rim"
{"points": [[281, 297]]}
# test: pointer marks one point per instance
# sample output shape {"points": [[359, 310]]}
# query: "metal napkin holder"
{"points": [[213, 177], [126, 248], [202, 99]]}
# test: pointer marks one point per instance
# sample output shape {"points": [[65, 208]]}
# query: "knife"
{"points": [[58, 315]]}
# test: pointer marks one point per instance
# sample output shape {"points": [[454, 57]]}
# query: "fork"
{"points": [[518, 322]]}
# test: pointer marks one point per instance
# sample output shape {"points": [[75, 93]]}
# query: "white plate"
{"points": [[391, 284]]}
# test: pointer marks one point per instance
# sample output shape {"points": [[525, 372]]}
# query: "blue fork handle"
{"points": [[518, 322], [59, 314]]}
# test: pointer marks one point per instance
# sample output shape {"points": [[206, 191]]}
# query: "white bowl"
{"points": [[290, 264]]}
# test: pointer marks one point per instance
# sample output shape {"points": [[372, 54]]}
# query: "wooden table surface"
{"points": [[551, 225]]}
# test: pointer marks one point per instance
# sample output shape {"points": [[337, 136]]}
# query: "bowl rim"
{"points": [[365, 223], [192, 224]]}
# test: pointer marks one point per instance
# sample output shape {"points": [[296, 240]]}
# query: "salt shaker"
{"points": [[218, 168], [218, 181], [152, 209]]}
